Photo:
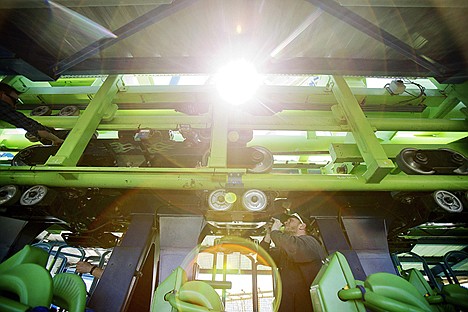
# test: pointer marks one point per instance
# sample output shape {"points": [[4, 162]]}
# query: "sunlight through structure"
{"points": [[237, 82]]}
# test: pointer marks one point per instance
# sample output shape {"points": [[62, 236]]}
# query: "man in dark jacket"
{"points": [[298, 257], [9, 97]]}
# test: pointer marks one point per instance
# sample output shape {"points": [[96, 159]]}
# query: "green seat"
{"points": [[393, 293], [335, 289], [28, 254], [416, 278], [197, 296], [456, 295], [171, 283], [332, 277], [175, 293], [30, 282], [69, 292]]}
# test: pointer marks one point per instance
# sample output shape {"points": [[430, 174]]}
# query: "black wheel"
{"points": [[266, 163], [42, 110], [413, 161], [448, 201], [69, 111], [9, 194]]}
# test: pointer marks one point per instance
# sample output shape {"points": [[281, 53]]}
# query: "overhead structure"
{"points": [[359, 122]]}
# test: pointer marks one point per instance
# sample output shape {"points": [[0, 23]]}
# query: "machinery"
{"points": [[356, 121]]}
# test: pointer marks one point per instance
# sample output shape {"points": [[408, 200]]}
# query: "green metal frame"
{"points": [[336, 107]]}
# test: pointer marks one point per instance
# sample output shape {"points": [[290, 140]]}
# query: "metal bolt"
{"points": [[420, 157], [457, 158]]}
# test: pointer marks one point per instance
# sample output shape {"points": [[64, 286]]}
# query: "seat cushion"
{"points": [[69, 292], [201, 294], [32, 283], [28, 254]]}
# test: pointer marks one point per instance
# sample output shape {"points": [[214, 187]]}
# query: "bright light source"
{"points": [[237, 82]]}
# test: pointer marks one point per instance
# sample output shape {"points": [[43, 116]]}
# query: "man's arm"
{"points": [[86, 267], [19, 120], [50, 136], [299, 248], [265, 243]]}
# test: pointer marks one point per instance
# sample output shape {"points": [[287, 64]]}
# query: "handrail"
{"points": [[449, 255], [427, 270]]}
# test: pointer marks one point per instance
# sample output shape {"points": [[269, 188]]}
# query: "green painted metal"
{"points": [[378, 165], [219, 131], [214, 178], [288, 120], [306, 97], [334, 275], [350, 152], [76, 142], [376, 134], [445, 107]]}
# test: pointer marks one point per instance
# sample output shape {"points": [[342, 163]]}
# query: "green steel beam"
{"points": [[215, 178], [100, 107], [219, 133], [288, 120], [445, 107], [310, 96], [378, 164], [461, 92], [350, 152]]}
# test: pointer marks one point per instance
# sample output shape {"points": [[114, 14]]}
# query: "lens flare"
{"points": [[237, 82]]}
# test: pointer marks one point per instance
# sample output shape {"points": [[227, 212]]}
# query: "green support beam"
{"points": [[298, 96], [445, 107], [288, 120], [100, 107], [350, 152], [378, 164], [219, 133], [215, 178]]}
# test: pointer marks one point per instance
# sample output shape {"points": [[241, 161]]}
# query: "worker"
{"points": [[86, 267], [9, 97], [298, 257]]}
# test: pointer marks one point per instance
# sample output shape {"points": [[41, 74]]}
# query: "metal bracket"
{"points": [[234, 180]]}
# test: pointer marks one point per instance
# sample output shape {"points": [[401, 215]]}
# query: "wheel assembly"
{"points": [[220, 200], [9, 194], [42, 110], [37, 195], [447, 201], [427, 162], [263, 159], [69, 111], [254, 200]]}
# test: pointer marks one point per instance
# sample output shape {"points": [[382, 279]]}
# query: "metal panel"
{"points": [[123, 32], [178, 237], [122, 272], [335, 240], [346, 15], [368, 237]]}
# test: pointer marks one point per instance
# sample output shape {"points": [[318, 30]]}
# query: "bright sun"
{"points": [[237, 82]]}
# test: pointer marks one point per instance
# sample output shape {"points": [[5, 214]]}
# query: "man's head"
{"points": [[296, 224], [9, 94]]}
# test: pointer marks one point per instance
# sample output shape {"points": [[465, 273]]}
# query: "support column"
{"points": [[219, 131], [378, 164], [131, 268]]}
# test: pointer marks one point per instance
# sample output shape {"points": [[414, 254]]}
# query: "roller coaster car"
{"points": [[335, 289], [152, 148]]}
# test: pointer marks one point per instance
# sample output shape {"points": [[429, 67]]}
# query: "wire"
{"points": [[421, 92]]}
